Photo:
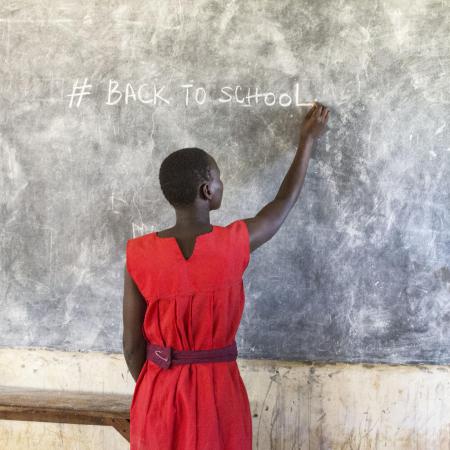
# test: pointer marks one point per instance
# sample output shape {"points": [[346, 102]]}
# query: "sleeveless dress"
{"points": [[193, 304]]}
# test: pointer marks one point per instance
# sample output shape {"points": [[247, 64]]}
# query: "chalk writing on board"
{"points": [[79, 92], [187, 94]]}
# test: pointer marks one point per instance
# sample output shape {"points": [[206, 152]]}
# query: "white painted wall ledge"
{"points": [[312, 406]]}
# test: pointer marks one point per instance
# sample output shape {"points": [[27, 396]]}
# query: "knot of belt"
{"points": [[165, 357]]}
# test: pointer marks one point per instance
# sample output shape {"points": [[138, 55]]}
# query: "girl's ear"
{"points": [[205, 191]]}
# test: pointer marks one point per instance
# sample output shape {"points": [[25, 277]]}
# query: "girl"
{"points": [[183, 301]]}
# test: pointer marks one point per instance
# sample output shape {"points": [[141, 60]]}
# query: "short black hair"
{"points": [[181, 174]]}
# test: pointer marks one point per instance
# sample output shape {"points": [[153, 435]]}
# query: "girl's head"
{"points": [[189, 177]]}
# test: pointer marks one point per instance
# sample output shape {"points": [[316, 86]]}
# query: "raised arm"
{"points": [[269, 219]]}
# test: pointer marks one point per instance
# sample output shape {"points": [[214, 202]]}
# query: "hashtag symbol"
{"points": [[79, 91]]}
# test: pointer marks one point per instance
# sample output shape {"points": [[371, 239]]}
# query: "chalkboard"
{"points": [[93, 96]]}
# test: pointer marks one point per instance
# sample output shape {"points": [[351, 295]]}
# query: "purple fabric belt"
{"points": [[165, 357]]}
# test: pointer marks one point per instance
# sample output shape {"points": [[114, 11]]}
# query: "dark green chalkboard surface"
{"points": [[94, 95]]}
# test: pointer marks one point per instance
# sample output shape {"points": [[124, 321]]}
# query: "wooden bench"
{"points": [[85, 408]]}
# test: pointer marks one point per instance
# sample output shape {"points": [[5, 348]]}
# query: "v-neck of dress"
{"points": [[177, 245]]}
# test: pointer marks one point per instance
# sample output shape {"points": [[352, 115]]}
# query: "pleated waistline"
{"points": [[165, 357]]}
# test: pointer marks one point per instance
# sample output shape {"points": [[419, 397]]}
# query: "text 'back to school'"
{"points": [[187, 94]]}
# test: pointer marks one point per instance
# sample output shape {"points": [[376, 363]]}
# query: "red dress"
{"points": [[193, 304]]}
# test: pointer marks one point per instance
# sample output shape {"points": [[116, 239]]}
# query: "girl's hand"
{"points": [[315, 121]]}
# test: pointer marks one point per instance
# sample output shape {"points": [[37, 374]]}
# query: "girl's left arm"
{"points": [[269, 219]]}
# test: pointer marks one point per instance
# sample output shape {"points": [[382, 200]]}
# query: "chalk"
{"points": [[308, 104]]}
